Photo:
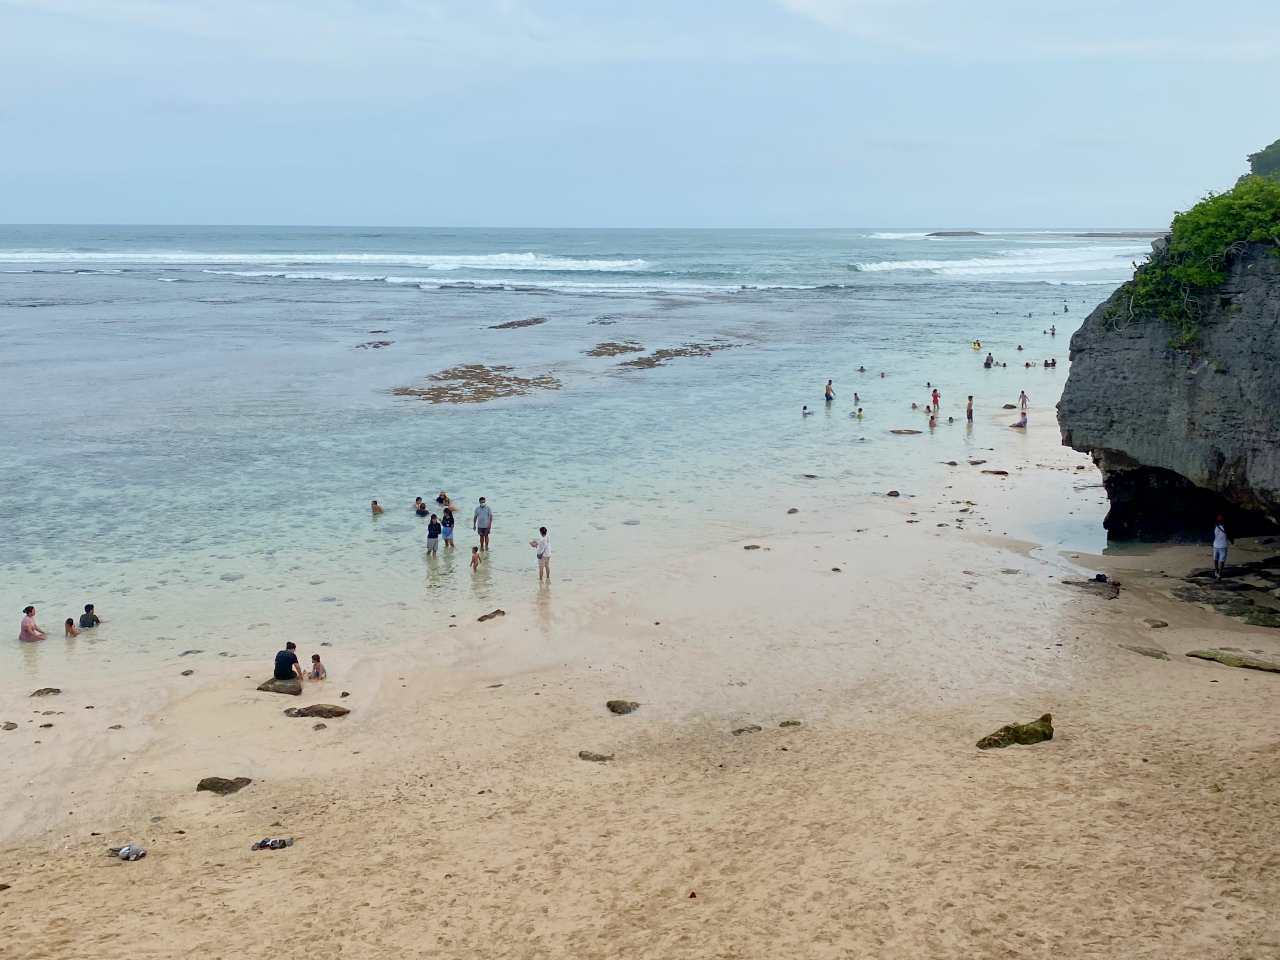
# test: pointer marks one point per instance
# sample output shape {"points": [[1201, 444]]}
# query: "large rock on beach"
{"points": [[1024, 733], [622, 706], [46, 692], [1234, 658], [1205, 441], [292, 687], [222, 786], [326, 711], [594, 757]]}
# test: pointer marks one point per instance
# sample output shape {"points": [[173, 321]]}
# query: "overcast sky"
{"points": [[643, 113]]}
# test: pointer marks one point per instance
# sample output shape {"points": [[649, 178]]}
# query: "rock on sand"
{"points": [[1033, 732], [293, 686], [222, 786]]}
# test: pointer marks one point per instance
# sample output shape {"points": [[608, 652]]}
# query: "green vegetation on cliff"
{"points": [[1174, 285], [1266, 162]]}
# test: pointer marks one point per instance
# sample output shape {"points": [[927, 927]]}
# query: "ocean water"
{"points": [[191, 431]]}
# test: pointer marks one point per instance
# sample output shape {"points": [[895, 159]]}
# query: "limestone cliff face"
{"points": [[1181, 435]]}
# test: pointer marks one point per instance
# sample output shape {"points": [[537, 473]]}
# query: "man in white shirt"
{"points": [[1220, 541], [543, 546]]}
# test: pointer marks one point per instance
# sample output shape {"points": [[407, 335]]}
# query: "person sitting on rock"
{"points": [[318, 672], [287, 663]]}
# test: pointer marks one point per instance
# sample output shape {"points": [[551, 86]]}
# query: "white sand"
{"points": [[449, 817]]}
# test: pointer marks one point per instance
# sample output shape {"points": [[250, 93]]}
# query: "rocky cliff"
{"points": [[1183, 434]]}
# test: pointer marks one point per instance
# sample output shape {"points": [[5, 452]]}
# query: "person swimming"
{"points": [[374, 508], [420, 507], [805, 411]]}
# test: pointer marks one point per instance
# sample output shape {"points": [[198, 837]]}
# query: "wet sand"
{"points": [[449, 815]]}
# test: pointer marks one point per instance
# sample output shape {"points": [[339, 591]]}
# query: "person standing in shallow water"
{"points": [[829, 393], [1220, 541], [1023, 399], [543, 547], [968, 409], [482, 523]]}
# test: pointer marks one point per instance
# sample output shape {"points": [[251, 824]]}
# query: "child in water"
{"points": [[69, 628], [475, 559], [318, 672]]}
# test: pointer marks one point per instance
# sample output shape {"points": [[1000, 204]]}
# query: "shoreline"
{"points": [[450, 808]]}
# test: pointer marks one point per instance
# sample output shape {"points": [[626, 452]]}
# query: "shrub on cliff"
{"points": [[1266, 162], [1201, 244]]}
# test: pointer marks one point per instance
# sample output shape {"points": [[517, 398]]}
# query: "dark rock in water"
{"points": [[950, 463], [1209, 451], [223, 786], [46, 692], [187, 673], [292, 687], [1155, 653], [8, 725], [793, 510], [893, 493], [749, 728], [1155, 624], [976, 463], [752, 546], [1009, 406], [374, 344], [789, 723], [1024, 733], [231, 577], [901, 432], [809, 476], [594, 757], [188, 653], [344, 693], [1107, 590], [326, 710], [622, 706], [491, 614], [1231, 658], [996, 473], [954, 233], [517, 324]]}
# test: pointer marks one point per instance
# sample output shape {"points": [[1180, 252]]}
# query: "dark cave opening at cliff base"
{"points": [[1155, 505]]}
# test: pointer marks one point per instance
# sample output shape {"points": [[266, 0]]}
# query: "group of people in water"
{"points": [[440, 527], [30, 632]]}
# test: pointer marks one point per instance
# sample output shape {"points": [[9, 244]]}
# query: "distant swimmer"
{"points": [[856, 398], [881, 374], [859, 413], [915, 406], [933, 419], [1023, 399], [806, 412], [1021, 422], [829, 392], [1066, 310], [862, 369], [374, 508], [420, 507], [1019, 346], [989, 362], [1053, 331]]}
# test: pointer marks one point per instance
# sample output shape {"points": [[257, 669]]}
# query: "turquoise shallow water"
{"points": [[191, 433]]}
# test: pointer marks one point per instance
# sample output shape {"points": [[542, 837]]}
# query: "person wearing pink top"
{"points": [[29, 632]]}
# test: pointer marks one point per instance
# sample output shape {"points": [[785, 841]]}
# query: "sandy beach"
{"points": [[450, 815]]}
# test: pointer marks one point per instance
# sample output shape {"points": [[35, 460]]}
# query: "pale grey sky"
{"points": [[660, 113]]}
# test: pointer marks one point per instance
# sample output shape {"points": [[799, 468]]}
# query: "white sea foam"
{"points": [[430, 261], [1112, 260]]}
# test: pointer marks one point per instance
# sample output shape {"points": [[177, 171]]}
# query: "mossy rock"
{"points": [[1262, 617], [1231, 658], [1024, 733]]}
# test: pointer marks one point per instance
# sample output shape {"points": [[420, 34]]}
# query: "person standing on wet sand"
{"points": [[482, 523], [1220, 541]]}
